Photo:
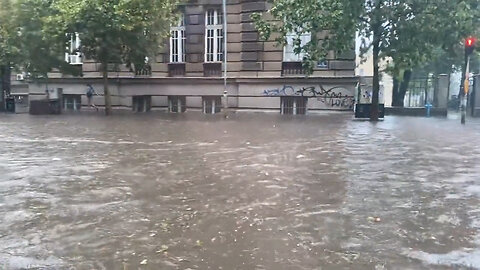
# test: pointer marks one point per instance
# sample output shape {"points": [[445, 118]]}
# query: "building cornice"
{"points": [[209, 80]]}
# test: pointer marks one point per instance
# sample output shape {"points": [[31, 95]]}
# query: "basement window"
{"points": [[72, 102], [212, 104], [293, 105], [141, 103], [177, 104]]}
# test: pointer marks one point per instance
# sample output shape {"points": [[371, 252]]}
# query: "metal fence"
{"points": [[420, 91]]}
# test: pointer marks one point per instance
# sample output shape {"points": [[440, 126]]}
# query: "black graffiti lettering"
{"points": [[332, 97], [307, 91]]}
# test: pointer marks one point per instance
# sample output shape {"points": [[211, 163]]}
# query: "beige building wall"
{"points": [[364, 68], [254, 68]]}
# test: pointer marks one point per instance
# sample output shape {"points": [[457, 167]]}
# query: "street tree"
{"points": [[9, 47], [39, 51], [432, 42], [114, 32], [24, 46], [406, 31]]}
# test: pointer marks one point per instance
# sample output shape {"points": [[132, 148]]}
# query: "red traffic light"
{"points": [[469, 46], [470, 42]]}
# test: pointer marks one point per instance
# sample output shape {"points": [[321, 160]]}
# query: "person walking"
{"points": [[90, 93]]}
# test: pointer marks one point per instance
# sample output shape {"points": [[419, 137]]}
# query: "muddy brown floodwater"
{"points": [[256, 191]]}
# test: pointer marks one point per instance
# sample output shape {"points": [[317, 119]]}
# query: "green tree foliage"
{"points": [[9, 48], [114, 31], [40, 52], [432, 43], [407, 31], [24, 45]]}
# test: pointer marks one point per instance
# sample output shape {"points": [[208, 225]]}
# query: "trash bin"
{"points": [[363, 110]]}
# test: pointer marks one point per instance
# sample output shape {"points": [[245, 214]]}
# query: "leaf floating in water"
{"points": [[162, 249], [374, 219]]}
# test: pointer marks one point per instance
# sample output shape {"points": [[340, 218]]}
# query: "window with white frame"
{"points": [[177, 42], [293, 105], [289, 54], [177, 104], [73, 54], [72, 102], [211, 104], [213, 36]]}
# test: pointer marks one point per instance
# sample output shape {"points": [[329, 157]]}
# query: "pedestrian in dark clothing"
{"points": [[90, 93]]}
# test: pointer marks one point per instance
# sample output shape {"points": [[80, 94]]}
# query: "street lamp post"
{"points": [[225, 92]]}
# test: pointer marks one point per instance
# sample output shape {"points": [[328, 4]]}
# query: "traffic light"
{"points": [[469, 46]]}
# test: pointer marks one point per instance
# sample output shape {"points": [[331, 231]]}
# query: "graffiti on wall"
{"points": [[286, 90], [333, 97]]}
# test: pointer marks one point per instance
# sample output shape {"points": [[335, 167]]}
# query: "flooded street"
{"points": [[256, 191]]}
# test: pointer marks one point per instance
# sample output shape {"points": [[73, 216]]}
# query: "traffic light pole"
{"points": [[469, 49], [466, 85]]}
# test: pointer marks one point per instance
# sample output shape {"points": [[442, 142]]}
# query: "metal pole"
{"points": [[225, 92], [466, 85]]}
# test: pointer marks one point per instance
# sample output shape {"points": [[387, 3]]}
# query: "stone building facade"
{"points": [[187, 73]]}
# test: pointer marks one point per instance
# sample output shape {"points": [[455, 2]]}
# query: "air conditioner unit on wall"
{"points": [[20, 77]]}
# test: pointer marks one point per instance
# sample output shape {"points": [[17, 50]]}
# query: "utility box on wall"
{"points": [[52, 104], [21, 103]]}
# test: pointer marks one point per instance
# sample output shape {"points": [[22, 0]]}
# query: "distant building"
{"points": [[187, 73], [364, 69]]}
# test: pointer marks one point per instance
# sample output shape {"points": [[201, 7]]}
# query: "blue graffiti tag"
{"points": [[286, 90]]}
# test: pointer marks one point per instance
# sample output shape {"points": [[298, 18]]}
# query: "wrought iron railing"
{"points": [[212, 69], [176, 69], [292, 68], [145, 71]]}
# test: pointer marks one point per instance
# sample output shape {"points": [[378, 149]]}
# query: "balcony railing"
{"points": [[212, 69], [145, 71], [176, 69], [292, 68]]}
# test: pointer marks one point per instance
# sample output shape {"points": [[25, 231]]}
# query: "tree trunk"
{"points": [[2, 89], [396, 93], [407, 75], [5, 85], [106, 93], [374, 110], [461, 92], [400, 89]]}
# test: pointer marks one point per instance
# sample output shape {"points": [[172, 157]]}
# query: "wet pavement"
{"points": [[256, 191]]}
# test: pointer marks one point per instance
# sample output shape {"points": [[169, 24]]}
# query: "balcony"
{"points": [[176, 69], [292, 69]]}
